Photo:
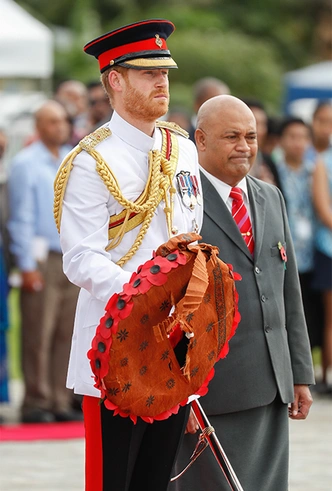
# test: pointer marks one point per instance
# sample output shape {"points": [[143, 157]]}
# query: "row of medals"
{"points": [[188, 186]]}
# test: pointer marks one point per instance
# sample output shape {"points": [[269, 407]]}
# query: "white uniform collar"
{"points": [[131, 135]]}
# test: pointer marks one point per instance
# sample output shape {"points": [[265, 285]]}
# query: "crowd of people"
{"points": [[30, 246], [296, 158]]}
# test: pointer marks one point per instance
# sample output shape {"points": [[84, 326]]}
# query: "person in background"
{"points": [[321, 128], [320, 151], [73, 95], [264, 378], [47, 298], [204, 89], [264, 167], [295, 173], [271, 139], [4, 202], [3, 144], [179, 115], [101, 250], [99, 109], [4, 324], [322, 281], [4, 269]]}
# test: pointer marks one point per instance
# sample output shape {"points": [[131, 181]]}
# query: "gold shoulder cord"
{"points": [[62, 176], [172, 127], [159, 186]]}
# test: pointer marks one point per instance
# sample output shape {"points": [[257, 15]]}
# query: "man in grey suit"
{"points": [[264, 378]]}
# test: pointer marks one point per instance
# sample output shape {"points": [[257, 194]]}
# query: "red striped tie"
{"points": [[241, 217]]}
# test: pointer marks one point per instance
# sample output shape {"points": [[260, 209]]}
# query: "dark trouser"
{"points": [[123, 456], [313, 309], [256, 444], [47, 320]]}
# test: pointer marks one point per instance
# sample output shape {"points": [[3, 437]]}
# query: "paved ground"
{"points": [[59, 465], [311, 449]]}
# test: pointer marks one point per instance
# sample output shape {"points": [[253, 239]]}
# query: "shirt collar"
{"points": [[223, 188], [46, 154], [130, 135]]}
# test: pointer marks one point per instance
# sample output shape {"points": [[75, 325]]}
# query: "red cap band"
{"points": [[146, 45]]}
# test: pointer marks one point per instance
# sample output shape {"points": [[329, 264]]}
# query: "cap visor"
{"points": [[149, 63]]}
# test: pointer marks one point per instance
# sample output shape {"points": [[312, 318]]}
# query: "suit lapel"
{"points": [[217, 210], [257, 207]]}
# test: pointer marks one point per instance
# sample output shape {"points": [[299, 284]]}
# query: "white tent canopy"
{"points": [[305, 86], [26, 45]]}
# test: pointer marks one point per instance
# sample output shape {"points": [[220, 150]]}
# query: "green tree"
{"points": [[248, 44]]}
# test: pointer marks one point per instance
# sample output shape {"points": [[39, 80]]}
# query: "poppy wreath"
{"points": [[160, 337]]}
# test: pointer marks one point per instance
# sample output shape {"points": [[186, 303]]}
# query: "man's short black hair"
{"points": [[254, 103], [289, 120], [273, 125], [320, 104], [93, 84]]}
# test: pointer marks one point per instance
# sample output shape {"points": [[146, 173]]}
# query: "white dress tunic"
{"points": [[87, 207]]}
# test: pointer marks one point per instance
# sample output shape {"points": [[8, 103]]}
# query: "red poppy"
{"points": [[112, 301], [137, 284], [110, 405], [101, 344], [140, 282], [170, 262], [98, 363], [123, 307], [107, 325], [118, 307], [152, 272], [167, 414], [116, 411], [283, 253]]}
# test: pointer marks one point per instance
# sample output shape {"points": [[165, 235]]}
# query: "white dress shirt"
{"points": [[224, 190], [30, 192]]}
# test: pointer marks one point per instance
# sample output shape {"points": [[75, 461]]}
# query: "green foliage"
{"points": [[248, 44], [65, 13], [14, 336], [74, 64], [248, 66]]}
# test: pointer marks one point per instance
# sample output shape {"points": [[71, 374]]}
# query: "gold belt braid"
{"points": [[135, 219], [162, 167]]}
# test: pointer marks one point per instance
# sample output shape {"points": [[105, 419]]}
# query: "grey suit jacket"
{"points": [[270, 351]]}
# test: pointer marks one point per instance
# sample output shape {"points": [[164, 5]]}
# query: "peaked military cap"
{"points": [[141, 45]]}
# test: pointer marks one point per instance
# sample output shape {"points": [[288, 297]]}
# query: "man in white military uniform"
{"points": [[126, 189]]}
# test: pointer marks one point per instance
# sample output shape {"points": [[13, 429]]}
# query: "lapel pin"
{"points": [[283, 254]]}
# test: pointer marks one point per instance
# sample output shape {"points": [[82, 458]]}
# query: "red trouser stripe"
{"points": [[93, 444]]}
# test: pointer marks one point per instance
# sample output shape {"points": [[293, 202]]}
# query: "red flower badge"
{"points": [[282, 253]]}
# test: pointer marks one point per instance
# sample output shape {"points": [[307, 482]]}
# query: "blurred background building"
{"points": [[26, 70], [269, 53]]}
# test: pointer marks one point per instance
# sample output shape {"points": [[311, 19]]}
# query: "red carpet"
{"points": [[42, 431]]}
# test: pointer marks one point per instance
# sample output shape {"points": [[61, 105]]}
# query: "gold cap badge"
{"points": [[158, 41]]}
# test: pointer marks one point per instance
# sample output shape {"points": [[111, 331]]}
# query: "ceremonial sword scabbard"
{"points": [[209, 437]]}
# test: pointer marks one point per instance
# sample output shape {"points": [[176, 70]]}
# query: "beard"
{"points": [[145, 107]]}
